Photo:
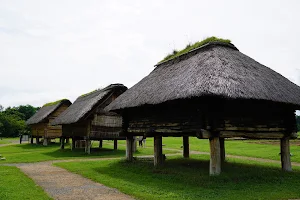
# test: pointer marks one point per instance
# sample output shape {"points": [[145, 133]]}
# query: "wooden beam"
{"points": [[129, 148], [158, 157], [222, 150], [62, 142], [186, 147], [285, 154], [100, 144], [254, 135], [115, 144], [215, 157]]}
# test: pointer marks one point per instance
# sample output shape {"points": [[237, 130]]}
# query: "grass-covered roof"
{"points": [[191, 47], [46, 110], [54, 102]]}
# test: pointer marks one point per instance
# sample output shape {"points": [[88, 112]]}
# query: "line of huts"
{"points": [[210, 92]]}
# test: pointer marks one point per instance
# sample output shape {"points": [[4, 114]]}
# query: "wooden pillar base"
{"points": [[186, 147], [100, 144], [285, 154], [73, 144], [37, 139], [87, 146], [129, 148], [62, 143], [158, 156], [115, 144], [215, 157], [222, 150], [31, 140], [67, 140]]}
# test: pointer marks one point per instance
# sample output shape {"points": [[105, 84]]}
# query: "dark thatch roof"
{"points": [[215, 69], [45, 111], [87, 103]]}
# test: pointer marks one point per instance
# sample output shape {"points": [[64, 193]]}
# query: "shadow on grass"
{"points": [[189, 178]]}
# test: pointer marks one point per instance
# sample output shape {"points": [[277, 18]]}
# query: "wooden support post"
{"points": [[186, 147], [215, 157], [100, 144], [134, 144], [67, 140], [46, 141], [31, 139], [37, 140], [129, 148], [158, 157], [115, 144], [222, 150], [62, 142], [73, 144], [285, 154], [88, 146]]}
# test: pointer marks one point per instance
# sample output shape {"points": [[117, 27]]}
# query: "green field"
{"points": [[268, 149], [8, 140], [35, 153], [16, 185], [178, 179], [189, 179]]}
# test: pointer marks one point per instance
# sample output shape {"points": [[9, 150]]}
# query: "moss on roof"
{"points": [[54, 102], [191, 47], [86, 94]]}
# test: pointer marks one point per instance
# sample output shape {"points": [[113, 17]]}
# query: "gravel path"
{"points": [[63, 185]]}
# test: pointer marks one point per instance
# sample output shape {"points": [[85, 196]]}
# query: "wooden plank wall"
{"points": [[230, 118]]}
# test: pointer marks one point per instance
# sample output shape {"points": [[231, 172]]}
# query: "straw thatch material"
{"points": [[45, 111], [85, 104], [214, 69]]}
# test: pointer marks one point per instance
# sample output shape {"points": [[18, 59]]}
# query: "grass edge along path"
{"points": [[17, 185], [188, 179]]}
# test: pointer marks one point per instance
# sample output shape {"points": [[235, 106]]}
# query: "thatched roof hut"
{"points": [[213, 91], [85, 118], [215, 69], [40, 121]]}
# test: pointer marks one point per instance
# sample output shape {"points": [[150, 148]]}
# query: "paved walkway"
{"points": [[61, 184]]}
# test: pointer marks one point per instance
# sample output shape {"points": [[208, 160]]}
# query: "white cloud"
{"points": [[57, 49]]}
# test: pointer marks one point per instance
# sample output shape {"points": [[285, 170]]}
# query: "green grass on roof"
{"points": [[190, 47], [84, 95], [55, 102]]}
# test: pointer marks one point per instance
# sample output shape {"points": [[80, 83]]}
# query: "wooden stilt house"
{"points": [[86, 120], [40, 122], [211, 91]]}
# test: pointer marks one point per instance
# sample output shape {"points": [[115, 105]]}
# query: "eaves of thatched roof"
{"points": [[45, 111], [85, 104], [215, 69]]}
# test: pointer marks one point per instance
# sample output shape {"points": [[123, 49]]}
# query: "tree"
{"points": [[12, 120], [1, 108]]}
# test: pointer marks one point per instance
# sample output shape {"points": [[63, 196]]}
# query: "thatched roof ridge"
{"points": [[46, 110], [190, 47], [212, 70], [86, 104]]}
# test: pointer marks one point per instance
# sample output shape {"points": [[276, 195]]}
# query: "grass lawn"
{"points": [[188, 179], [253, 148], [9, 140], [36, 153], [16, 185]]}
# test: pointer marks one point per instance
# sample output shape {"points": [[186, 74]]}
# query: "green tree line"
{"points": [[12, 120]]}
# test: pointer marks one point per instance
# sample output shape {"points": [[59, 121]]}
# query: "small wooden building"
{"points": [[40, 122], [86, 120], [214, 92]]}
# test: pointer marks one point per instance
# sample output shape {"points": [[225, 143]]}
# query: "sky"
{"points": [[57, 49]]}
